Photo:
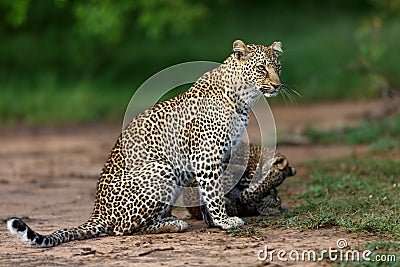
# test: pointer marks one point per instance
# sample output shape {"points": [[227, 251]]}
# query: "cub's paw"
{"points": [[269, 211], [229, 222]]}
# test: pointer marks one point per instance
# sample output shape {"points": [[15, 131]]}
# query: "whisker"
{"points": [[282, 92], [294, 98], [297, 93], [291, 97], [291, 94], [287, 93], [285, 96]]}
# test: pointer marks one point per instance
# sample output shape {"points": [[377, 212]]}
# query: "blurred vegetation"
{"points": [[384, 132], [373, 43], [67, 61]]}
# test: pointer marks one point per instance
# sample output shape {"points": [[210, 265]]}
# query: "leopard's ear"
{"points": [[277, 47], [240, 49]]}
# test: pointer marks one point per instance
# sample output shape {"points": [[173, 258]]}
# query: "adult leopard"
{"points": [[170, 144]]}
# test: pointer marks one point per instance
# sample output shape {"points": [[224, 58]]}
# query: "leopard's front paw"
{"points": [[229, 222]]}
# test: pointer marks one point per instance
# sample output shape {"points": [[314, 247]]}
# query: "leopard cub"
{"points": [[245, 197]]}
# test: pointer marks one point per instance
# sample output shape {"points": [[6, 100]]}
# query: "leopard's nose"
{"points": [[276, 86]]}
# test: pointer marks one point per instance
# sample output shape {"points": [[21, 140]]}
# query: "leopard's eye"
{"points": [[261, 68]]}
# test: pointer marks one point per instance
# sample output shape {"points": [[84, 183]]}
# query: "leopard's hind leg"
{"points": [[165, 225]]}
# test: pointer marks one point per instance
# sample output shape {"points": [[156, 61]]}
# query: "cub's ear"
{"points": [[240, 49], [280, 161], [277, 47]]}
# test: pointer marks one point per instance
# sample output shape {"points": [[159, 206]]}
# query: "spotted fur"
{"points": [[169, 145], [249, 195]]}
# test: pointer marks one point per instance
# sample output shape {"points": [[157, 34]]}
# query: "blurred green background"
{"points": [[65, 61]]}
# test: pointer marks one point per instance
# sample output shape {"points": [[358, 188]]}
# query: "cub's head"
{"points": [[260, 65], [281, 165]]}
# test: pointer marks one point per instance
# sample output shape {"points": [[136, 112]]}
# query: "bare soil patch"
{"points": [[48, 177]]}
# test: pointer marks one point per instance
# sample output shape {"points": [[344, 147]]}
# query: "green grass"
{"points": [[384, 145], [355, 194], [382, 133]]}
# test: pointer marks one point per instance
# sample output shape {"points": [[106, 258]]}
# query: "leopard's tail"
{"points": [[21, 230]]}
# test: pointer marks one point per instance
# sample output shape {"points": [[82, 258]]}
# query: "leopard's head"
{"points": [[259, 65]]}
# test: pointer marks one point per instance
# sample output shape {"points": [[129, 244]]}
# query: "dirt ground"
{"points": [[48, 178]]}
